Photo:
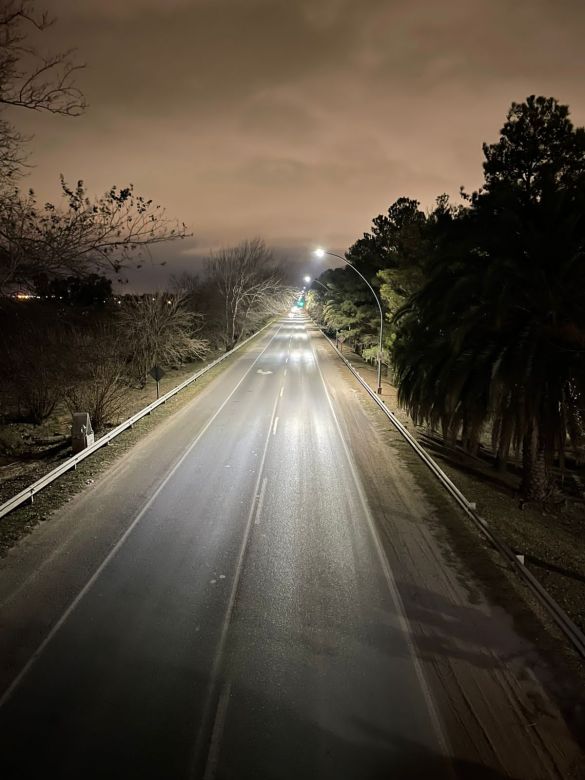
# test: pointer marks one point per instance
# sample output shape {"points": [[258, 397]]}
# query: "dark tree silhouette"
{"points": [[497, 333]]}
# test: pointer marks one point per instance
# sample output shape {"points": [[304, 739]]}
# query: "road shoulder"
{"points": [[484, 649]]}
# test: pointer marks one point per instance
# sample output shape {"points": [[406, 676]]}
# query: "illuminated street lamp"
{"points": [[321, 253], [308, 279]]}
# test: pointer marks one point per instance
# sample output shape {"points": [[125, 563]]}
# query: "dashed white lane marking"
{"points": [[217, 732], [282, 391], [221, 710], [285, 370], [275, 427], [261, 501]]}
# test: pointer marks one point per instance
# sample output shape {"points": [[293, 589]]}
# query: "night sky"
{"points": [[296, 120]]}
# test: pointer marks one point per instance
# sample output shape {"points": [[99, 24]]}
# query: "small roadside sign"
{"points": [[157, 374]]}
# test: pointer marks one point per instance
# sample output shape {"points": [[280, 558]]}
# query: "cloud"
{"points": [[299, 121]]}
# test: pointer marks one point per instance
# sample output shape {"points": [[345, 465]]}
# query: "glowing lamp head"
{"points": [[307, 279], [320, 252]]}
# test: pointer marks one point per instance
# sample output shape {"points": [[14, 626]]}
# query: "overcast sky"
{"points": [[296, 120]]}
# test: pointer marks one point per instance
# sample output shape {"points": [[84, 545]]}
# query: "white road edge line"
{"points": [[30, 663], [211, 759], [401, 612]]}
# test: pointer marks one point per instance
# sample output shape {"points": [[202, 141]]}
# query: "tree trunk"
{"points": [[502, 454], [535, 477]]}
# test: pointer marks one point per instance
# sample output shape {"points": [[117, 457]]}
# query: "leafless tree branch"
{"points": [[159, 330], [248, 284], [82, 235], [28, 78]]}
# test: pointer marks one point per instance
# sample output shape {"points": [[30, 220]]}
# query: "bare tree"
{"points": [[31, 369], [249, 285], [98, 376], [12, 154], [30, 79], [159, 330], [82, 235]]}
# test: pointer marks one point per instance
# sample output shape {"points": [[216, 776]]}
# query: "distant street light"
{"points": [[316, 281], [321, 253]]}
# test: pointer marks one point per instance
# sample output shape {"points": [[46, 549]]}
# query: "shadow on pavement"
{"points": [[265, 740]]}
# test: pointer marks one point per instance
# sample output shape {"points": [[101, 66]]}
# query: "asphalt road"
{"points": [[223, 605]]}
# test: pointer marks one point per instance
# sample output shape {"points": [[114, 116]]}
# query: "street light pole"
{"points": [[316, 281], [320, 253]]}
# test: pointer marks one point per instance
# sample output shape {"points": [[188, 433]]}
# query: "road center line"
{"points": [[37, 653], [214, 677], [217, 733], [261, 501]]}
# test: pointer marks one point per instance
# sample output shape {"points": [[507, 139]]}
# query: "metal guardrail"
{"points": [[29, 492], [563, 621]]}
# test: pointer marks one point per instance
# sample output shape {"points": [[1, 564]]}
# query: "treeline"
{"points": [[485, 300], [81, 345], [63, 336]]}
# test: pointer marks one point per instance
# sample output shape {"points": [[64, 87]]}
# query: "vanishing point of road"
{"points": [[264, 588]]}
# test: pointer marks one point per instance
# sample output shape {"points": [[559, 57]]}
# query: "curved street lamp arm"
{"points": [[316, 281], [334, 254]]}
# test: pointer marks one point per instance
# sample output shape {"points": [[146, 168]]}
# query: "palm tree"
{"points": [[497, 333]]}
